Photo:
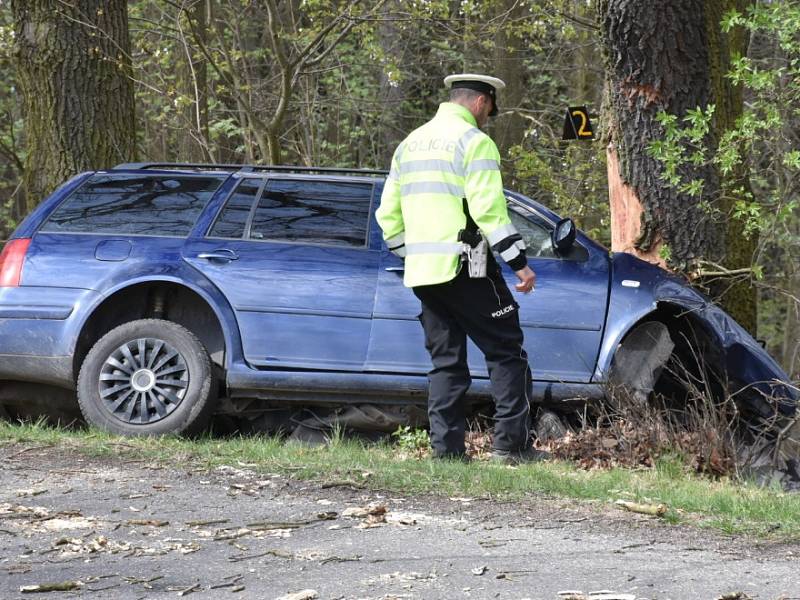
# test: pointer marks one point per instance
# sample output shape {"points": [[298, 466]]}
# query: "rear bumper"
{"points": [[39, 327], [54, 370], [41, 321]]}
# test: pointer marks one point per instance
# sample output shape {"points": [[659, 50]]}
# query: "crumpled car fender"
{"points": [[638, 289]]}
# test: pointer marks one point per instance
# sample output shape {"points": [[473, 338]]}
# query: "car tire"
{"points": [[147, 377], [638, 362]]}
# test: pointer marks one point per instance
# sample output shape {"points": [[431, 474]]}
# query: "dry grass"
{"points": [[704, 427]]}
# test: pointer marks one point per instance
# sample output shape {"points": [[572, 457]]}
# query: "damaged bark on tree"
{"points": [[673, 57]]}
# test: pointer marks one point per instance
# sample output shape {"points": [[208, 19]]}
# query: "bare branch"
{"points": [[197, 124], [320, 57], [10, 154], [577, 20], [698, 270], [274, 35], [320, 37], [353, 22]]}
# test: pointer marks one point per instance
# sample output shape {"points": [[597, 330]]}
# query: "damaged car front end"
{"points": [[654, 317]]}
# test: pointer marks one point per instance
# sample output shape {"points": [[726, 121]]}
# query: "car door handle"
{"points": [[395, 269], [221, 254]]}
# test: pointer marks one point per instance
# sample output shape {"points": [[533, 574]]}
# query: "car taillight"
{"points": [[11, 260]]}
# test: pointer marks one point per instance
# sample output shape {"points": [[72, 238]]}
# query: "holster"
{"points": [[477, 258], [476, 248]]}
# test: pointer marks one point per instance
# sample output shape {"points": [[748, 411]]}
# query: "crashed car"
{"points": [[164, 293]]}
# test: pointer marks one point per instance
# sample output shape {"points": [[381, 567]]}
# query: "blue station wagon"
{"points": [[165, 292]]}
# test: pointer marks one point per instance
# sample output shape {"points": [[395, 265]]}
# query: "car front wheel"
{"points": [[147, 377]]}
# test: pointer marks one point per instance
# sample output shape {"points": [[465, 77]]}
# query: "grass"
{"points": [[733, 508]]}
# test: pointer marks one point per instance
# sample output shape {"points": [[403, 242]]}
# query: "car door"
{"points": [[290, 254], [562, 319]]}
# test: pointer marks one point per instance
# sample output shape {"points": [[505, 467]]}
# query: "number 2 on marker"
{"points": [[582, 129]]}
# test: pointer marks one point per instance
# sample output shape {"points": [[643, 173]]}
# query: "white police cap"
{"points": [[480, 83]]}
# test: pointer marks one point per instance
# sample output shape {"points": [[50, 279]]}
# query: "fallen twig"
{"points": [[148, 522], [270, 525], [654, 510], [58, 515], [277, 553], [222, 585], [189, 590], [108, 587], [640, 545], [232, 536], [340, 559], [61, 586], [207, 522], [30, 449], [342, 483], [144, 582], [234, 579]]}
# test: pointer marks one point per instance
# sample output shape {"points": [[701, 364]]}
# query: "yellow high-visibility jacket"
{"points": [[422, 211]]}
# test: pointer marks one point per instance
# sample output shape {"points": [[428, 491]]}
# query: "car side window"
{"points": [[536, 237], [313, 211], [134, 204], [232, 219]]}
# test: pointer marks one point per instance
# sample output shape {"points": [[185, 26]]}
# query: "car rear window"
{"points": [[134, 204], [321, 212]]}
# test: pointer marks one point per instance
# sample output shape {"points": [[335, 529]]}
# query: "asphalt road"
{"points": [[125, 530]]}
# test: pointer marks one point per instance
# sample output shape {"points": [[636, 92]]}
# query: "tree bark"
{"points": [[193, 79], [392, 93], [790, 346], [508, 128], [672, 56], [73, 61]]}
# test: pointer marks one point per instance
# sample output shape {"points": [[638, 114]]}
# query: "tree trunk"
{"points": [[73, 61], [790, 346], [508, 128], [193, 78], [672, 56], [392, 91]]}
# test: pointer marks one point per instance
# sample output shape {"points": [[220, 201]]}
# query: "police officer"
{"points": [[443, 192]]}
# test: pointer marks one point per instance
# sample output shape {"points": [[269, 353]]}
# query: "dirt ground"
{"points": [[125, 529]]}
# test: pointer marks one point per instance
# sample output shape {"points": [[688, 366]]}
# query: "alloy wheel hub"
{"points": [[143, 381]]}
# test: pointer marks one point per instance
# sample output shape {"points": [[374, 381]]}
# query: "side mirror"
{"points": [[563, 235]]}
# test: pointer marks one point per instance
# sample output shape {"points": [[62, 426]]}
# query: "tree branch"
{"points": [[230, 79], [10, 154], [577, 20], [353, 22], [320, 37], [698, 270], [274, 36]]}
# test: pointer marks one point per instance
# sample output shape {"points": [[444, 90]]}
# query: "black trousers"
{"points": [[484, 310]]}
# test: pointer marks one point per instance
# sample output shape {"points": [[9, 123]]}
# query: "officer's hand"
{"points": [[527, 279]]}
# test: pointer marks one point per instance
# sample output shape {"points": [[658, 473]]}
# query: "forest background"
{"points": [[695, 104]]}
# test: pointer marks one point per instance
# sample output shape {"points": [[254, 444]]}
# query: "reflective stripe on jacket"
{"points": [[421, 209]]}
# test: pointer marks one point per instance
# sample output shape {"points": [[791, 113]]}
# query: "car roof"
{"points": [[231, 168], [298, 170]]}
